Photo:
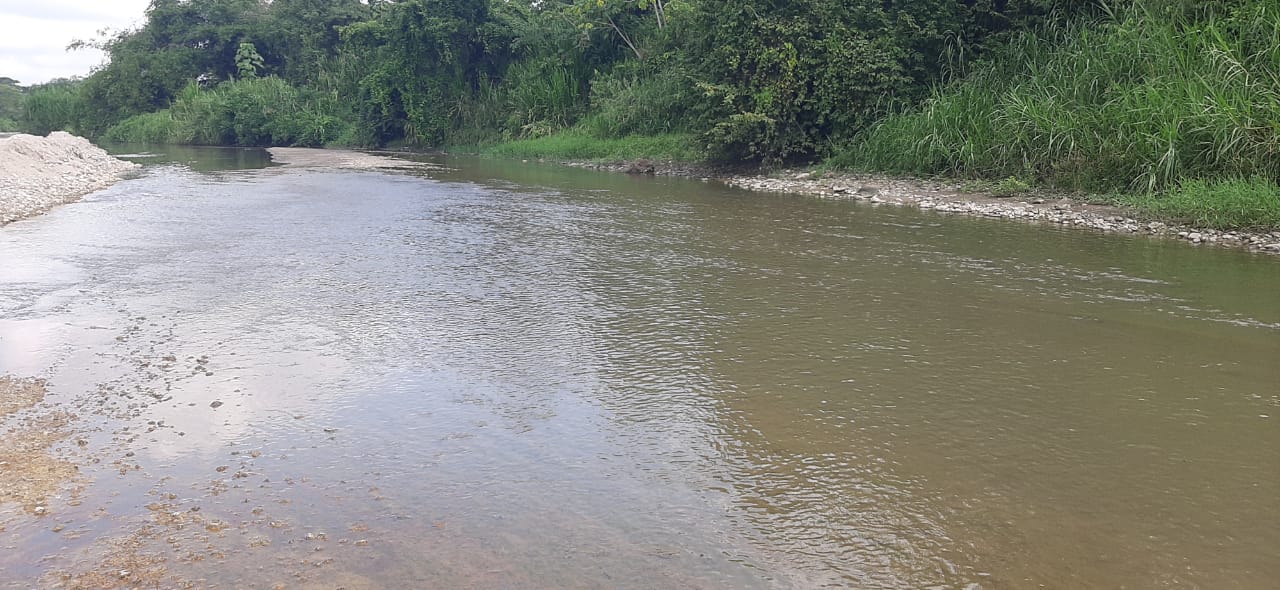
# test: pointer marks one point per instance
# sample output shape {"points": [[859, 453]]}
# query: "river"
{"points": [[493, 374]]}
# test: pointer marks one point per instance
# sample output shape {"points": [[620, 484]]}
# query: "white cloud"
{"points": [[34, 35]]}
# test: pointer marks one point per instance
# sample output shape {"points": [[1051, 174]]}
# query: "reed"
{"points": [[1154, 94], [52, 107], [253, 112]]}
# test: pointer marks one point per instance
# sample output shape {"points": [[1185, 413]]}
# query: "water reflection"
{"points": [[198, 158]]}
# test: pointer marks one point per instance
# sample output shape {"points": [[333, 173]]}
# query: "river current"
{"points": [[493, 374]]}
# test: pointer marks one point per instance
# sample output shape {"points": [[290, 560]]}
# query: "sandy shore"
{"points": [[339, 158], [38, 173]]}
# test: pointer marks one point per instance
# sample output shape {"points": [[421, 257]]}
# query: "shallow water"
{"points": [[511, 375]]}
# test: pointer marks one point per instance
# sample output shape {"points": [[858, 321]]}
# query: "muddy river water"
{"points": [[488, 374]]}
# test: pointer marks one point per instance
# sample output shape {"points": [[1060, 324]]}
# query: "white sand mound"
{"points": [[37, 173]]}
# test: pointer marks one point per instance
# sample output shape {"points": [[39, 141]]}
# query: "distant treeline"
{"points": [[764, 80], [1100, 95]]}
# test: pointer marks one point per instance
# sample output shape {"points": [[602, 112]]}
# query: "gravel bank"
{"points": [[950, 198], [37, 173]]}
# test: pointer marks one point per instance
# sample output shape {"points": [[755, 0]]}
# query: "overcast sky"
{"points": [[34, 35]]}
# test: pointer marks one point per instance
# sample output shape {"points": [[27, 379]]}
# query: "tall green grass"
{"points": [[257, 112], [52, 107], [542, 97], [1155, 93], [641, 103], [1229, 203]]}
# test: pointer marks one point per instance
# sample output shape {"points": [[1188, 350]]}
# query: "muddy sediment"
{"points": [[38, 173], [29, 472], [19, 394]]}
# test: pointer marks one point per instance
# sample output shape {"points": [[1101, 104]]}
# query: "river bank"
{"points": [[39, 173], [952, 197]]}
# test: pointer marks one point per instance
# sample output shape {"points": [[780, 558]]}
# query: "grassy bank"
{"points": [[1176, 104]]}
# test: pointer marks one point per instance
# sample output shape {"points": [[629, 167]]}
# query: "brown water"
{"points": [[518, 376]]}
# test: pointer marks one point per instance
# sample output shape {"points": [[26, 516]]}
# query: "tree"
{"points": [[248, 60], [426, 56]]}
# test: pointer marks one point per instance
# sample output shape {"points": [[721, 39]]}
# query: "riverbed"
{"points": [[480, 373]]}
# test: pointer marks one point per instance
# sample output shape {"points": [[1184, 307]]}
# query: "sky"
{"points": [[34, 35]]}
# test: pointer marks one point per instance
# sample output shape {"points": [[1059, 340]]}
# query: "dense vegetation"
{"points": [[11, 98], [1173, 100]]}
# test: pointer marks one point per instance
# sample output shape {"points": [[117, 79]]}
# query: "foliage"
{"points": [[1231, 203], [425, 55], [55, 106], [630, 101], [789, 78], [248, 60], [250, 111], [1137, 100], [11, 97]]}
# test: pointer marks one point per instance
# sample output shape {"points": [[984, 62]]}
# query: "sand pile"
{"points": [[37, 173]]}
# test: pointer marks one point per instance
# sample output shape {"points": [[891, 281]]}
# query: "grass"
{"points": [[259, 111], [7, 124], [576, 144], [158, 127], [1236, 203], [51, 107], [1173, 101]]}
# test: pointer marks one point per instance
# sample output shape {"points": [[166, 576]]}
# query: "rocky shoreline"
{"points": [[39, 173], [947, 197]]}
